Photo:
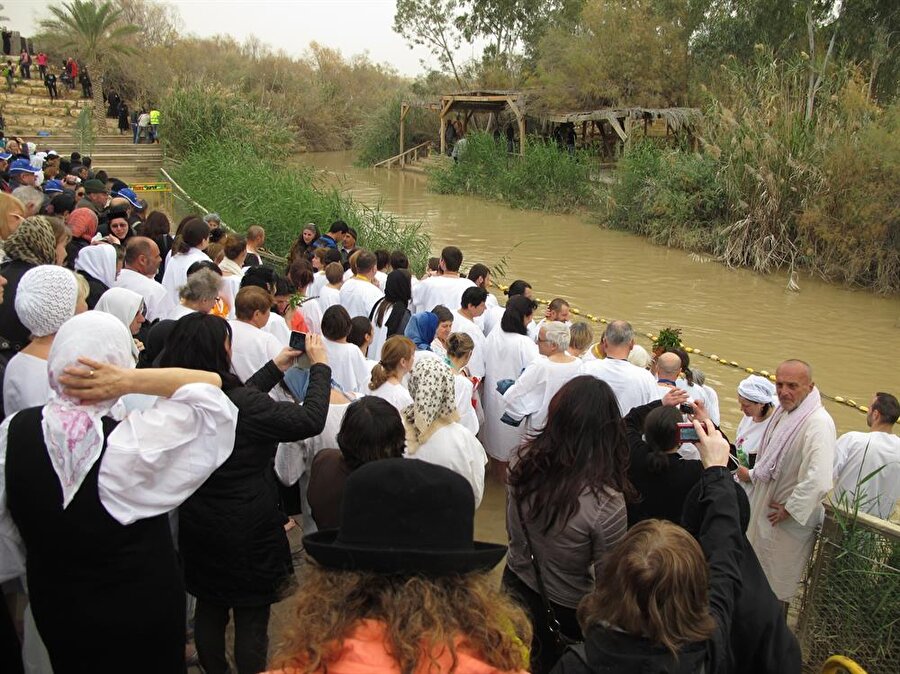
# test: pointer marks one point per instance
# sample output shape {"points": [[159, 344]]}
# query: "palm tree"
{"points": [[96, 32]]}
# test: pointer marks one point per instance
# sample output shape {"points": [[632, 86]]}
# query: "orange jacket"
{"points": [[364, 652]]}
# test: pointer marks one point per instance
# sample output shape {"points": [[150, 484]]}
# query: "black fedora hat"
{"points": [[405, 517]]}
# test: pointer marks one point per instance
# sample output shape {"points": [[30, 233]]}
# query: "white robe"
{"points": [[348, 366], [395, 394], [804, 477], [857, 456], [443, 290], [531, 394], [476, 365], [175, 274], [358, 297], [328, 297], [251, 348], [463, 392], [506, 355], [633, 385], [456, 448], [157, 300]]}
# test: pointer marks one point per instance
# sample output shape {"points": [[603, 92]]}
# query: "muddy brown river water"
{"points": [[852, 338]]}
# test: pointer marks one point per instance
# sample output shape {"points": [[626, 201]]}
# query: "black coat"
{"points": [[231, 531], [11, 327], [106, 597], [97, 289], [661, 494], [609, 651]]}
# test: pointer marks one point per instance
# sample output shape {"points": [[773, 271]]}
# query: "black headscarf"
{"points": [[397, 294]]}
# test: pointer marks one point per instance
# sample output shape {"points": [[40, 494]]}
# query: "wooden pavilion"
{"points": [[467, 103]]}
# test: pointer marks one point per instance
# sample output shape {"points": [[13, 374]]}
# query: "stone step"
{"points": [[32, 99]]}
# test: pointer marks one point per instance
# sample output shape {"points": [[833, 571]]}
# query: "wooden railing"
{"points": [[408, 156]]}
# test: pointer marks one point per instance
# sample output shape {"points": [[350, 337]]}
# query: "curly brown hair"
{"points": [[423, 617]]}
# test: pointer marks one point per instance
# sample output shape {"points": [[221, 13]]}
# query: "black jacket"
{"points": [[661, 494], [11, 328], [231, 531], [609, 651]]}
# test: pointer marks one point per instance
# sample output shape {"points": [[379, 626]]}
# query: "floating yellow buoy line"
{"points": [[713, 357]]}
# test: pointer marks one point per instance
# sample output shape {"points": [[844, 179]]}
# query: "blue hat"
{"points": [[5, 156], [53, 187], [128, 193], [22, 166]]}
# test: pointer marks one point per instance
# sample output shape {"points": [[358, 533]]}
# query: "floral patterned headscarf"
{"points": [[433, 392]]}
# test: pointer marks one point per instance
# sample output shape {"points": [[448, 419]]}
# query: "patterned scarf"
{"points": [[33, 242], [431, 386]]}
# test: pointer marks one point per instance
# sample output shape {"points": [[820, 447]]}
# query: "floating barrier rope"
{"points": [[849, 402]]}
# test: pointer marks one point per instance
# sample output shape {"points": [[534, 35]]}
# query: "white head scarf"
{"points": [[99, 261], [73, 432], [124, 304], [758, 389], [46, 299]]}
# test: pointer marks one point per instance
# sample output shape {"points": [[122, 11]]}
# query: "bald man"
{"points": [[142, 260], [792, 475]]}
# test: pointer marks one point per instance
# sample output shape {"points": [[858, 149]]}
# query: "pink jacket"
{"points": [[364, 653]]}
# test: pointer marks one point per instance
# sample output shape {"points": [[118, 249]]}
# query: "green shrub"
{"points": [[670, 195], [852, 226], [195, 115], [545, 177], [378, 137], [246, 189]]}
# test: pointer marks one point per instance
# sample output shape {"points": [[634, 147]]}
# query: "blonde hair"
{"points": [[395, 349], [84, 288], [654, 584], [459, 345], [423, 618], [581, 336], [9, 205]]}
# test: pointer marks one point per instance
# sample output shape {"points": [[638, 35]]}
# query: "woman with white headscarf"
{"points": [[128, 307], [756, 396], [98, 265], [46, 299], [433, 431], [85, 499]]}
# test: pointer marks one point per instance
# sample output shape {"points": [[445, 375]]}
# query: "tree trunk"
{"points": [[99, 112]]}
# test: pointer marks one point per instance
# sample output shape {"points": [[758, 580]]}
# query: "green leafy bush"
{"points": [[545, 177], [670, 195], [246, 189], [197, 114]]}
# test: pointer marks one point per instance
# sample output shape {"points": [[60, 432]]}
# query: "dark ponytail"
{"points": [[661, 435], [192, 234], [517, 310], [685, 364]]}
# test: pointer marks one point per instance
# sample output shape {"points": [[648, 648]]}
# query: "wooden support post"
{"points": [[627, 130], [583, 134], [445, 108], [404, 110], [521, 119]]}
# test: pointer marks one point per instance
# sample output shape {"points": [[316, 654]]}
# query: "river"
{"points": [[850, 337]]}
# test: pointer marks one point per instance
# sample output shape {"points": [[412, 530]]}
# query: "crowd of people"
{"points": [[174, 406]]}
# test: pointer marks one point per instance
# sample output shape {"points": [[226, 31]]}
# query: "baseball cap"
{"points": [[94, 186], [5, 156], [53, 187], [22, 166], [128, 193]]}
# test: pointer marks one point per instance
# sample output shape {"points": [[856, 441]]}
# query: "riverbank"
{"points": [[734, 313], [828, 208]]}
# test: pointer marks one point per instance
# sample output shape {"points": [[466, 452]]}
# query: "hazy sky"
{"points": [[352, 26]]}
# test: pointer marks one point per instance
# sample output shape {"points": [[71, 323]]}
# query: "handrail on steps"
{"points": [[410, 155]]}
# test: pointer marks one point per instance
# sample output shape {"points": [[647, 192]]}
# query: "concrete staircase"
{"points": [[29, 113]]}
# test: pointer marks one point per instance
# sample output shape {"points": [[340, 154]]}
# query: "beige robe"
{"points": [[804, 478]]}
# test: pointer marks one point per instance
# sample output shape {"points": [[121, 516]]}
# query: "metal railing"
{"points": [[851, 600], [408, 156]]}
